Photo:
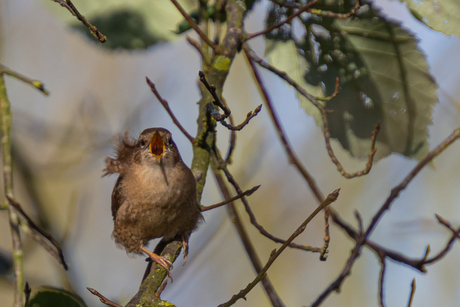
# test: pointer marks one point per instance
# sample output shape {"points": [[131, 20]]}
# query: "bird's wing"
{"points": [[117, 197]]}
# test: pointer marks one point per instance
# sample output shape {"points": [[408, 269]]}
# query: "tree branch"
{"points": [[275, 253]]}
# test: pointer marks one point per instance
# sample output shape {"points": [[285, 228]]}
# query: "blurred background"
{"points": [[60, 142]]}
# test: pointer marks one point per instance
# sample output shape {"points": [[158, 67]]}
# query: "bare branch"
{"points": [[323, 111], [300, 11], [194, 25], [383, 266], [249, 211], [275, 253], [249, 116], [69, 5], [412, 292], [165, 104], [361, 239], [102, 298], [246, 241], [35, 83], [57, 251], [245, 193], [217, 101]]}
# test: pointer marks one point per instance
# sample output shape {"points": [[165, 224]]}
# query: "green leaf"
{"points": [[46, 296], [384, 77], [284, 55], [440, 15]]}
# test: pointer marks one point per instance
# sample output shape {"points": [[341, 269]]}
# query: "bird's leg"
{"points": [[165, 263], [185, 245]]}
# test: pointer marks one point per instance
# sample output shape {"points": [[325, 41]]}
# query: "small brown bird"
{"points": [[155, 194]]}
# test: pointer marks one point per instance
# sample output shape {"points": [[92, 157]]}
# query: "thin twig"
{"points": [[101, 37], [335, 285], [252, 217], [194, 26], [337, 15], [246, 241], [249, 116], [300, 11], [57, 252], [232, 139], [446, 223], [165, 104], [35, 83], [245, 193], [275, 253], [336, 92], [383, 267], [293, 159], [212, 91], [102, 298], [197, 46], [412, 292], [323, 111]]}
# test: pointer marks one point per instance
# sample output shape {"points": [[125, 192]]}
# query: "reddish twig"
{"points": [[412, 292], [253, 56], [246, 241], [102, 298], [232, 140], [101, 37], [57, 252], [252, 217], [293, 159], [383, 267], [194, 26], [249, 116], [360, 241], [245, 193], [275, 253], [165, 104], [299, 11], [212, 90]]}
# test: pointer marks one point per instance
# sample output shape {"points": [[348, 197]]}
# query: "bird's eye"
{"points": [[143, 142]]}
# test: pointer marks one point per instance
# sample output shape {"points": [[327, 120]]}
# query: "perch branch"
{"points": [[275, 253]]}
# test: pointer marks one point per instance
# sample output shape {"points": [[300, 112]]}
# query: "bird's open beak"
{"points": [[157, 146]]}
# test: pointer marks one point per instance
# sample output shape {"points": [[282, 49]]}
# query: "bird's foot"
{"points": [[185, 246], [165, 263]]}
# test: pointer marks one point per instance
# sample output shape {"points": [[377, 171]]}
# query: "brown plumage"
{"points": [[155, 194]]}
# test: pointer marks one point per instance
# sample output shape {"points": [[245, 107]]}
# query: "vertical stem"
{"points": [[6, 118]]}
